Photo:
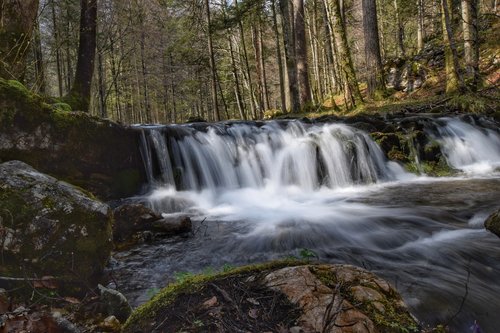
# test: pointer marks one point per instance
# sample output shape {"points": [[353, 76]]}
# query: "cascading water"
{"points": [[261, 191], [247, 155], [469, 147]]}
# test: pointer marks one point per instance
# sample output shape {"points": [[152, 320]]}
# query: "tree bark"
{"points": [[290, 56], [301, 53], [399, 32], [375, 71], [471, 41], [79, 96], [278, 57], [453, 81], [17, 20], [420, 26], [213, 69]]}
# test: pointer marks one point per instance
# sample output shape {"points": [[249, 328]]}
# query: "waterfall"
{"points": [[468, 147], [254, 155]]}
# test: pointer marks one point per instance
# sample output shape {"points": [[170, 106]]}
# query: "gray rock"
{"points": [[115, 303], [492, 223], [51, 228]]}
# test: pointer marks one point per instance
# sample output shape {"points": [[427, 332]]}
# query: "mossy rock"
{"points": [[301, 295], [492, 223], [73, 146], [51, 228]]}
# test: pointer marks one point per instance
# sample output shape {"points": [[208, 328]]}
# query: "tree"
{"points": [[301, 53], [79, 96], [17, 20], [471, 43], [453, 81], [290, 55], [375, 75]]}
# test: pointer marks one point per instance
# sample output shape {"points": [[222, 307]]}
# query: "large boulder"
{"points": [[52, 234], [492, 223], [277, 297], [96, 154]]}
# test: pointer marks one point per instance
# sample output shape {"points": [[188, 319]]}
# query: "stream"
{"points": [[263, 193]]}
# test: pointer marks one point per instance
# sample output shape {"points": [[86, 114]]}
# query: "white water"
{"points": [[470, 148], [267, 191]]}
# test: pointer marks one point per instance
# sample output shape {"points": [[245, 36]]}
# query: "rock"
{"points": [[4, 301], [324, 298], [173, 225], [115, 303], [132, 218], [99, 155], [111, 324], [52, 232], [492, 223]]}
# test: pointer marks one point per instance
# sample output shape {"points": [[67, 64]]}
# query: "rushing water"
{"points": [[265, 191]]}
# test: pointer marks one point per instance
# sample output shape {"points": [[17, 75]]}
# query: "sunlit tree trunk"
{"points": [[471, 41], [301, 53], [375, 71]]}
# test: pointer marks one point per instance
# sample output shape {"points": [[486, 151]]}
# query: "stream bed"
{"points": [[424, 235]]}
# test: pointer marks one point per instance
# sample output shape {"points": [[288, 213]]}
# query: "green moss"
{"points": [[61, 107], [191, 284]]}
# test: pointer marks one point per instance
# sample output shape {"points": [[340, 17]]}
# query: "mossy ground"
{"points": [[190, 285]]}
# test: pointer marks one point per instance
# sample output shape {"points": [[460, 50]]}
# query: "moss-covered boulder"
{"points": [[52, 234], [96, 154], [492, 223], [284, 296]]}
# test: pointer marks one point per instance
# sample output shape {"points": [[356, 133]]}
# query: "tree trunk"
{"points": [[420, 27], [237, 91], [79, 96], [58, 49], [102, 89], [39, 65], [471, 41], [453, 82], [17, 20], [291, 61], [278, 58], [375, 71], [213, 69], [400, 50], [301, 53], [344, 56]]}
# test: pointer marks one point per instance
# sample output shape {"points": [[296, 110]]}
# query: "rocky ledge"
{"points": [[282, 296], [53, 235]]}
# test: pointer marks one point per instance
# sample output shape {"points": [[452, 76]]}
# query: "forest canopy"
{"points": [[162, 61]]}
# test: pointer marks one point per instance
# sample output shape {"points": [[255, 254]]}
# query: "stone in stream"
{"points": [[136, 223], [284, 296], [492, 223], [115, 303], [52, 234]]}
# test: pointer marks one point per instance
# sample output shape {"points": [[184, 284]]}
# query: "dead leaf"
{"points": [[72, 300], [210, 303]]}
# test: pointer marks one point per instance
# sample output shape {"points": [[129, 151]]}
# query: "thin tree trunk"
{"points": [[279, 58], [420, 27], [39, 65], [291, 61], [375, 71], [58, 49], [301, 53], [213, 69], [102, 89], [399, 32], [79, 97], [237, 91], [471, 41], [265, 91], [453, 82]]}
